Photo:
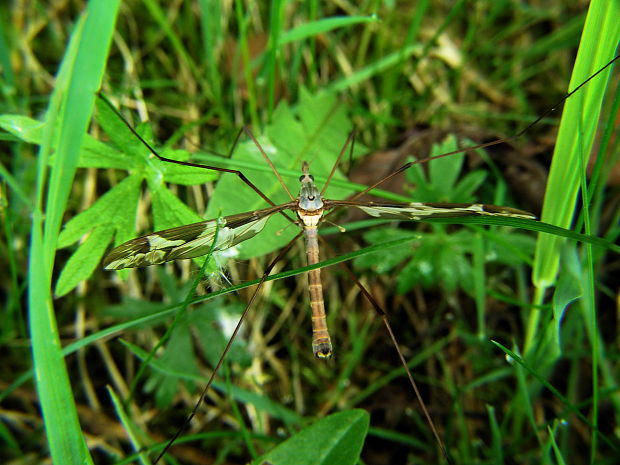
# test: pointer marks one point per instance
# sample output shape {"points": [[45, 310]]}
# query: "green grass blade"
{"points": [[135, 435], [576, 134], [79, 78], [314, 28]]}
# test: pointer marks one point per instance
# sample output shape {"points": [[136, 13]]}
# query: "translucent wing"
{"points": [[419, 211], [189, 241]]}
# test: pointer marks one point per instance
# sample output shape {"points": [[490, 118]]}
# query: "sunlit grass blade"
{"points": [[580, 119], [577, 131], [69, 112]]}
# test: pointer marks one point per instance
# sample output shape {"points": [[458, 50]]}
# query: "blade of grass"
{"points": [[598, 45], [135, 435], [246, 62], [576, 134], [275, 32], [69, 110]]}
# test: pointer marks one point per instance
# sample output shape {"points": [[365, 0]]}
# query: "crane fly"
{"points": [[195, 240], [310, 208]]}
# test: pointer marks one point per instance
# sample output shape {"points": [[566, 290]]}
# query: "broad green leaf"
{"points": [[444, 172], [568, 290], [442, 183], [390, 258], [336, 439], [465, 188], [84, 260], [169, 211], [105, 211], [96, 154], [118, 132], [93, 154], [214, 323], [185, 175]]}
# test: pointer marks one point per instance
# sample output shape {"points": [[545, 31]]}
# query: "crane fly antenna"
{"points": [[268, 160], [351, 140], [406, 166]]}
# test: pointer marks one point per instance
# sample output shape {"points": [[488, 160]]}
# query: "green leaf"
{"points": [[186, 175], [24, 128], [84, 260], [336, 439], [118, 132], [93, 154], [444, 172], [468, 185], [390, 258], [96, 154], [169, 211], [262, 402], [568, 290], [515, 249], [137, 437], [105, 211], [68, 115], [442, 183]]}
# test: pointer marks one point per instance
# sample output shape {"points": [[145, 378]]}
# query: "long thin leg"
{"points": [[388, 327], [227, 348], [384, 318], [208, 167]]}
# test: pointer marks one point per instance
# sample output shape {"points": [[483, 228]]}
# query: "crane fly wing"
{"points": [[189, 241], [420, 211]]}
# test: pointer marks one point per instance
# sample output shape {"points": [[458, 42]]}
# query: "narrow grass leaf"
{"points": [[559, 458], [71, 106], [314, 28], [567, 291], [135, 436], [577, 129], [24, 128], [239, 394]]}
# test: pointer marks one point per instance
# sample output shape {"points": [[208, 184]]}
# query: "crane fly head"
{"points": [[309, 196]]}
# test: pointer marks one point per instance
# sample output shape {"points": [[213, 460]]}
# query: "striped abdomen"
{"points": [[321, 343]]}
